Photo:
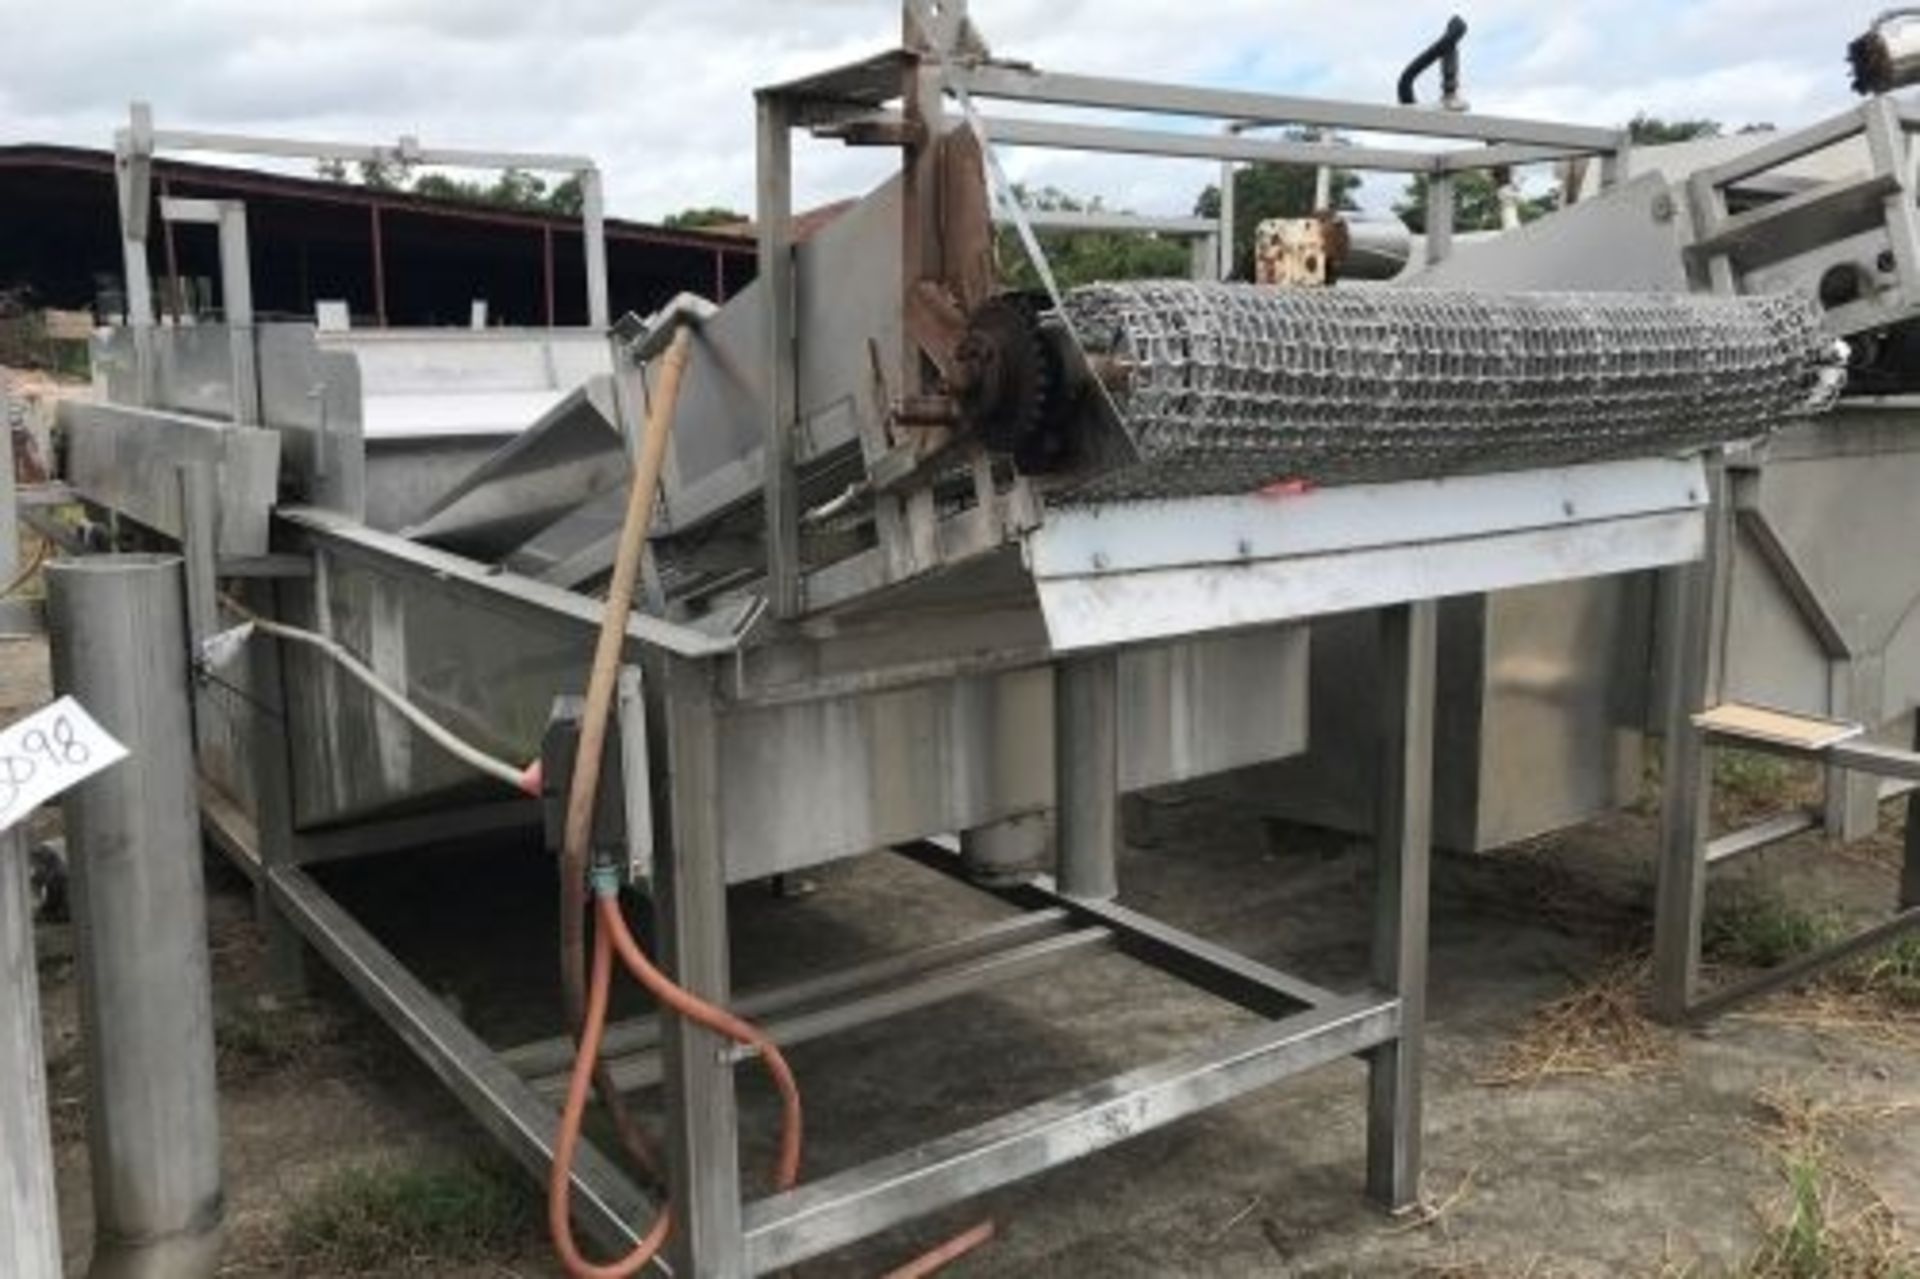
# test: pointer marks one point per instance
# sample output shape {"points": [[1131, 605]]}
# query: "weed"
{"points": [[1891, 974], [1754, 930], [1751, 775], [259, 1037], [1830, 1222], [392, 1218]]}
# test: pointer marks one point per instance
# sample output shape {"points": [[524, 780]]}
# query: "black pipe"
{"points": [[1445, 51]]}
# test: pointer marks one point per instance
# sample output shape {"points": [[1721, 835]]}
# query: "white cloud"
{"points": [[660, 90]]}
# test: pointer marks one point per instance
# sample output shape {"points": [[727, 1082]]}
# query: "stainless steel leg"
{"points": [[691, 898], [273, 791], [1910, 870], [1403, 835], [29, 1218], [1685, 796], [140, 919], [1086, 769]]}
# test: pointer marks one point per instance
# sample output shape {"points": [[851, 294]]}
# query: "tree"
{"points": [[1078, 257], [1476, 203], [710, 215], [512, 189], [1477, 197], [1647, 130], [1265, 190]]}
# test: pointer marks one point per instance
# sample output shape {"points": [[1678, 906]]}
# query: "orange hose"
{"points": [[609, 936], [721, 1022], [560, 1180], [939, 1258]]}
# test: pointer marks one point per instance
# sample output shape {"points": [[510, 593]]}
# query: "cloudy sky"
{"points": [[659, 90]]}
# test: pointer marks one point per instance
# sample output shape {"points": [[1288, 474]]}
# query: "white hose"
{"points": [[519, 778]]}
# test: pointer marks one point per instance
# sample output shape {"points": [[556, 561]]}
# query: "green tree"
{"points": [[1078, 257], [710, 215], [512, 189], [1476, 203], [1265, 190], [1477, 198], [1647, 130]]}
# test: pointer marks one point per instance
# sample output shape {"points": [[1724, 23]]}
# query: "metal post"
{"points": [[379, 265], [546, 274], [1204, 257], [1851, 803], [1403, 839], [774, 205], [1226, 235], [140, 918], [1687, 613], [29, 1216], [1440, 213], [11, 611], [593, 231], [703, 1144], [172, 254], [133, 176], [269, 754], [1910, 869], [1086, 771], [236, 299]]}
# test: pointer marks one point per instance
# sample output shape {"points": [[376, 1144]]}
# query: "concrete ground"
{"points": [[1575, 1141]]}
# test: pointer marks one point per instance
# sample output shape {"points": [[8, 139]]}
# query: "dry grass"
{"points": [[1829, 1221], [1600, 1028]]}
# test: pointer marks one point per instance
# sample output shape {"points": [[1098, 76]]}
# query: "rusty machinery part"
{"points": [[1012, 382], [1309, 251], [1226, 388], [1887, 57]]}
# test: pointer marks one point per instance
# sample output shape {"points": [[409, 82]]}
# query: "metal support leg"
{"points": [[1403, 839], [140, 920], [1685, 796], [1086, 770], [1910, 869], [702, 1119], [29, 1218], [273, 795]]}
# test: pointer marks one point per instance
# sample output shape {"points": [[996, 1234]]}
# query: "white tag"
{"points": [[42, 755]]}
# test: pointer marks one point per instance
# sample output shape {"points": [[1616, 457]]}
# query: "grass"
{"points": [[1748, 785], [1891, 974], [1829, 1222], [261, 1036], [391, 1218], [1758, 930]]}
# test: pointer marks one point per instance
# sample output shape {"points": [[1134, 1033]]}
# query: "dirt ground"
{"points": [[1565, 1136]]}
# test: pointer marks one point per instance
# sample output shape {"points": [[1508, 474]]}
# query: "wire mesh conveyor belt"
{"points": [[1225, 388]]}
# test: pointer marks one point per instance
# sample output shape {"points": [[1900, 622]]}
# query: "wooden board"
{"points": [[1759, 723]]}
